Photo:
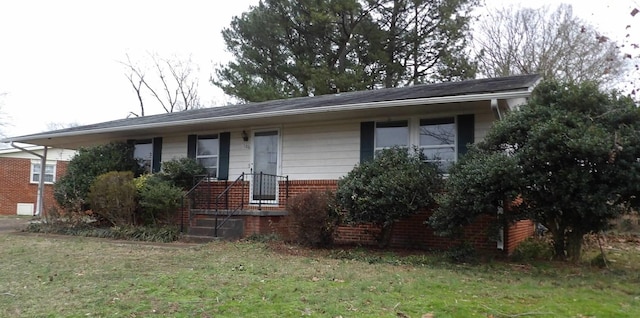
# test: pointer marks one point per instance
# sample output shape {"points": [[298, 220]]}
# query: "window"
{"points": [[438, 141], [143, 153], [49, 172], [390, 134], [207, 154]]}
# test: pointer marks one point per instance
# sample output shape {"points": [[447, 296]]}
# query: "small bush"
{"points": [[158, 199], [182, 171], [113, 197], [314, 218], [533, 249]]}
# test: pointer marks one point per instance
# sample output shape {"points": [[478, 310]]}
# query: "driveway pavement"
{"points": [[13, 223]]}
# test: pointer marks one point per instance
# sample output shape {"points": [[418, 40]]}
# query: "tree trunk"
{"points": [[559, 241], [574, 245], [384, 240]]}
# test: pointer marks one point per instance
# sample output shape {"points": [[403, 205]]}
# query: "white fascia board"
{"points": [[303, 111]]}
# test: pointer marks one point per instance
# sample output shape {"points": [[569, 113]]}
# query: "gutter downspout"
{"points": [[495, 108], [43, 163]]}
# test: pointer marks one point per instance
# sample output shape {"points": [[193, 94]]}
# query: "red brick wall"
{"points": [[15, 185], [517, 233], [407, 233]]}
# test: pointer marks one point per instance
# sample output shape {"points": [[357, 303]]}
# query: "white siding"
{"points": [[315, 151], [320, 151], [239, 154], [483, 122]]}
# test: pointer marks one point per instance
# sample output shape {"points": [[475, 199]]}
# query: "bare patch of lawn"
{"points": [[80, 277]]}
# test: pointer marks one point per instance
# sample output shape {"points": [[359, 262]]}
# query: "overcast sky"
{"points": [[59, 59]]}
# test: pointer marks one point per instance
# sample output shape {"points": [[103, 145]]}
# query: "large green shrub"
{"points": [[396, 184], [158, 199], [113, 197], [314, 218], [70, 191], [568, 159], [181, 172]]}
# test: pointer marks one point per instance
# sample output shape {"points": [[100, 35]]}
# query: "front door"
{"points": [[265, 166]]}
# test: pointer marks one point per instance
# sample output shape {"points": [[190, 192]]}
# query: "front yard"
{"points": [[84, 277]]}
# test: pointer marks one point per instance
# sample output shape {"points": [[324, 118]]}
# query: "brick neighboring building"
{"points": [[19, 175]]}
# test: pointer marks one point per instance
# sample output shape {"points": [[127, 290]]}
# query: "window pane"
{"points": [[48, 169], [437, 133], [444, 153], [48, 178], [207, 147], [35, 168], [211, 164], [143, 152], [35, 178], [392, 134]]}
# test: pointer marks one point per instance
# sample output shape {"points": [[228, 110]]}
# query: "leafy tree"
{"points": [[286, 48], [568, 159], [394, 185], [557, 45], [71, 190]]}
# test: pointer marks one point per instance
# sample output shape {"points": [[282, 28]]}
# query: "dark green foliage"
{"points": [[396, 184], [158, 199], [314, 218], [462, 253], [181, 172], [286, 48], [71, 190], [533, 249], [568, 159], [113, 197]]}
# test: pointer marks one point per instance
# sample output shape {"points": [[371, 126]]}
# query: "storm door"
{"points": [[265, 167]]}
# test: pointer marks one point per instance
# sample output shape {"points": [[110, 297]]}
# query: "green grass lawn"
{"points": [[82, 277]]}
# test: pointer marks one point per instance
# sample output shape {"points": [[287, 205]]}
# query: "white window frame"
{"points": [[216, 156], [35, 170]]}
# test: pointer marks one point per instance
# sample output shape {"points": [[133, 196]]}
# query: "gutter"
{"points": [[43, 162], [292, 112]]}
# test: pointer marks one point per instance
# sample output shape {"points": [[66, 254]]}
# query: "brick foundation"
{"points": [[409, 233]]}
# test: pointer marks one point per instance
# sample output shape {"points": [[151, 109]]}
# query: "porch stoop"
{"points": [[204, 229]]}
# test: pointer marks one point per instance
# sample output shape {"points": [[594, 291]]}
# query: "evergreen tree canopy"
{"points": [[285, 48]]}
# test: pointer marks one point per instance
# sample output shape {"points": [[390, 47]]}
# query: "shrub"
{"points": [[71, 190], [533, 249], [181, 172], [314, 218], [158, 199], [396, 184], [113, 197], [462, 253]]}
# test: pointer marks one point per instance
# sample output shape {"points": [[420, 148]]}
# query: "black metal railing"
{"points": [[265, 188]]}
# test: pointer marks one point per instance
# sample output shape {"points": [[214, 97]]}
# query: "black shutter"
{"points": [[191, 146], [223, 160], [367, 129], [157, 154], [465, 133]]}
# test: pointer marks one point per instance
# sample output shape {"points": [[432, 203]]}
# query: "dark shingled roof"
{"points": [[469, 87]]}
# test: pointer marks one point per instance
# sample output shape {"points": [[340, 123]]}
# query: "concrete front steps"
{"points": [[204, 229]]}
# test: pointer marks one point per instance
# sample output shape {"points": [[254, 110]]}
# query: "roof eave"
{"points": [[283, 113]]}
